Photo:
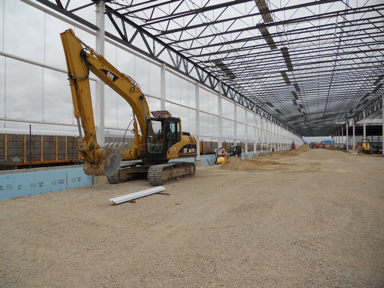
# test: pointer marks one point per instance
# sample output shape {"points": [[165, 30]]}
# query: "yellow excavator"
{"points": [[161, 136]]}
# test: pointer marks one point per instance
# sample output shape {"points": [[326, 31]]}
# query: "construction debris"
{"points": [[132, 196]]}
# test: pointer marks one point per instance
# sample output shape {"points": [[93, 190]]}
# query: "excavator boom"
{"points": [[80, 60]]}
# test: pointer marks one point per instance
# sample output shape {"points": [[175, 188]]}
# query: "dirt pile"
{"points": [[333, 147], [235, 164], [323, 154], [302, 149]]}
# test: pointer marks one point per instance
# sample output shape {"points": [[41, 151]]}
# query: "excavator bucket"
{"points": [[109, 162]]}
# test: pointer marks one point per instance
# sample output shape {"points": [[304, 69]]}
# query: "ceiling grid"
{"points": [[308, 65]]}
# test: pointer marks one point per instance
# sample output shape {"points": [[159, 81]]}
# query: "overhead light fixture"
{"points": [[287, 58], [378, 80], [224, 68], [285, 76], [295, 95], [278, 111], [264, 10], [267, 36], [269, 104], [297, 87]]}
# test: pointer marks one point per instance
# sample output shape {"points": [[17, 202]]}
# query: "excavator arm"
{"points": [[80, 60]]}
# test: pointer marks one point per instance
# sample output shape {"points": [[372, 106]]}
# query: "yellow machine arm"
{"points": [[80, 59]]}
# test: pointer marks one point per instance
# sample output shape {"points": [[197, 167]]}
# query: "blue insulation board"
{"points": [[32, 183]]}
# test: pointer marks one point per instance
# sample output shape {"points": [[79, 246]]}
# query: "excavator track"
{"points": [[114, 178], [158, 174]]}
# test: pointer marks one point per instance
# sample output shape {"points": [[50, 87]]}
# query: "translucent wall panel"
{"points": [[2, 86], [126, 64], [208, 102], [24, 101], [56, 97], [124, 114], [23, 35], [111, 105], [154, 104], [191, 95], [142, 74], [240, 131], [250, 116], [228, 128], [240, 114], [228, 109], [2, 14], [154, 81], [208, 125], [188, 120], [250, 130], [53, 48], [184, 93], [172, 87]]}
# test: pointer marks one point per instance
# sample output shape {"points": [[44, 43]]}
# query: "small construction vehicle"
{"points": [[292, 147], [235, 151], [323, 145], [161, 136], [221, 155], [365, 147]]}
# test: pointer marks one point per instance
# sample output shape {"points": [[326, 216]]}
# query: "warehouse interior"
{"points": [[279, 79]]}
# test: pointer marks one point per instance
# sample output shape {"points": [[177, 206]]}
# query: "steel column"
{"points": [[353, 137], [220, 124], [162, 86], [364, 127], [100, 101], [197, 95]]}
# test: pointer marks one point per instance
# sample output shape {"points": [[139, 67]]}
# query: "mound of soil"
{"points": [[332, 147], [235, 164], [323, 154]]}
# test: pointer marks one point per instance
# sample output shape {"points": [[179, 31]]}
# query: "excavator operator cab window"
{"points": [[155, 137], [172, 127]]}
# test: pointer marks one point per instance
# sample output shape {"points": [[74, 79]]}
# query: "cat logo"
{"points": [[109, 74]]}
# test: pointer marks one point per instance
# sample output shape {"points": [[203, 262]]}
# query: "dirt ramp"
{"points": [[235, 164], [323, 154]]}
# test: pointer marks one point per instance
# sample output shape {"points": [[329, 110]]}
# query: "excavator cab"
{"points": [[162, 134]]}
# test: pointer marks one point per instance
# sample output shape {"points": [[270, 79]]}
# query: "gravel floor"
{"points": [[314, 220]]}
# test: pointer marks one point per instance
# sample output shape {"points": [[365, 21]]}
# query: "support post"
{"points": [[220, 124], [197, 95], [346, 134], [254, 135], [353, 136], [364, 128], [235, 122], [246, 135], [100, 48], [162, 86]]}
